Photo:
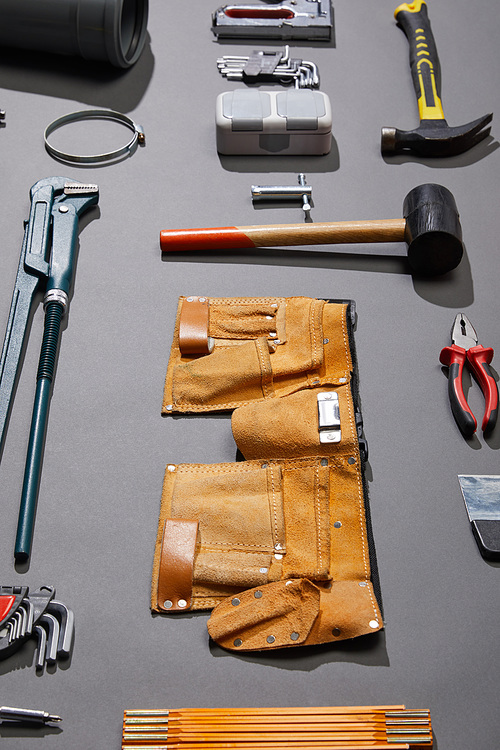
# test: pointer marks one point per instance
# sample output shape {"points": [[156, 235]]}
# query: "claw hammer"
{"points": [[433, 137]]}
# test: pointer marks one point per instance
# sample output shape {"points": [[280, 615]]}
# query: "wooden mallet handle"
{"points": [[321, 233]]}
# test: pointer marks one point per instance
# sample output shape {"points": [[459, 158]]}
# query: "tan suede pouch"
{"points": [[260, 348], [277, 545], [281, 553]]}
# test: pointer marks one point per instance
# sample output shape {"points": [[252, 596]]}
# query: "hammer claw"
{"points": [[435, 138]]}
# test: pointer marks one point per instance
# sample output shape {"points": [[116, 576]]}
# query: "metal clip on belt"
{"points": [[95, 114]]}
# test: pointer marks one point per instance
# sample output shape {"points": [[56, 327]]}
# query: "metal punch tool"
{"points": [[47, 264]]}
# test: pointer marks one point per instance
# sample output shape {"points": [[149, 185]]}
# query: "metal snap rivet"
{"points": [[326, 341], [202, 299], [63, 209], [294, 636], [278, 557], [324, 462], [336, 632], [270, 639], [258, 594], [264, 466], [189, 299], [373, 623], [237, 642], [262, 570], [182, 603], [169, 407], [171, 467], [351, 460], [337, 525], [363, 583], [235, 602], [278, 546], [167, 604], [342, 380]]}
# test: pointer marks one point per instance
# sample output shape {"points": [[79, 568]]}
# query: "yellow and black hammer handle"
{"points": [[424, 61]]}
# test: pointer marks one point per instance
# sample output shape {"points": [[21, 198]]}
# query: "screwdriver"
{"points": [[27, 714]]}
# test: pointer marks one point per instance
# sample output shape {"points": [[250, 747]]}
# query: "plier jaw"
{"points": [[465, 350]]}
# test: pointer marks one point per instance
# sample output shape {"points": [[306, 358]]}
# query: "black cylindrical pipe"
{"points": [[110, 30]]}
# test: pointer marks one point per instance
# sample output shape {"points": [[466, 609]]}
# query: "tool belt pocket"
{"points": [[241, 536], [230, 351]]}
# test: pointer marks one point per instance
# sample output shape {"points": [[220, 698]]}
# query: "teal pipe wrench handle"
{"points": [[47, 264]]}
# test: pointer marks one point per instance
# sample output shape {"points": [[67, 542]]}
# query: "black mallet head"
{"points": [[433, 232], [435, 138]]}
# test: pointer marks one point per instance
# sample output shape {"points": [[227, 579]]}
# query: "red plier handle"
{"points": [[478, 358]]}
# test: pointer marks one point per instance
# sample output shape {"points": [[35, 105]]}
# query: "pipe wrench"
{"points": [[47, 264]]}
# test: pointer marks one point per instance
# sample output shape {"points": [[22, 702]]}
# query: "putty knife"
{"points": [[481, 494]]}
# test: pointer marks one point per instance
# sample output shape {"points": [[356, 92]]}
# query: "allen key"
{"points": [[301, 192]]}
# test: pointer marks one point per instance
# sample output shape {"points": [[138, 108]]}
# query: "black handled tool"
{"points": [[466, 351], [433, 137], [47, 263]]}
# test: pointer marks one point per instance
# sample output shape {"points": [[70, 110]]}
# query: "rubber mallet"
{"points": [[430, 227]]}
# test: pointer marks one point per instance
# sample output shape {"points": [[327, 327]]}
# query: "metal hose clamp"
{"points": [[95, 114]]}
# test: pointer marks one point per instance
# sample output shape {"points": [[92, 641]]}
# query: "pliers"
{"points": [[465, 350]]}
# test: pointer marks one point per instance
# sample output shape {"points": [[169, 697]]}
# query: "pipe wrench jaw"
{"points": [[79, 195]]}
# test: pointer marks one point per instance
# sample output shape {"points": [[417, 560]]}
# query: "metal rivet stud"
{"points": [[63, 209], [363, 583], [326, 341], [324, 462], [264, 466], [351, 460], [373, 624], [337, 525], [270, 639], [235, 602], [167, 604], [294, 636], [189, 299], [182, 603], [237, 642], [262, 570], [171, 467], [258, 594], [336, 632], [342, 380], [169, 407]]}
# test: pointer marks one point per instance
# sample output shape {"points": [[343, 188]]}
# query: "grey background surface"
{"points": [[107, 445]]}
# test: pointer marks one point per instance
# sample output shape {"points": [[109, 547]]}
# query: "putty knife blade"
{"points": [[481, 493]]}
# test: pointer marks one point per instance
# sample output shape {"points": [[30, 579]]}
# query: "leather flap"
{"points": [[271, 616], [175, 579], [193, 327]]}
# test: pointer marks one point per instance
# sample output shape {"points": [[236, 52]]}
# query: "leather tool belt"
{"points": [[278, 545]]}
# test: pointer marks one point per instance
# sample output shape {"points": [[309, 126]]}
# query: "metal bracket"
{"points": [[328, 417]]}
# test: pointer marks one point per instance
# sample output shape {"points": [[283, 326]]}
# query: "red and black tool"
{"points": [[465, 350], [25, 615]]}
